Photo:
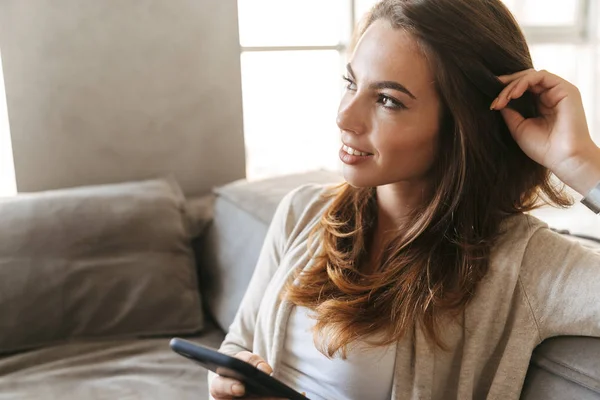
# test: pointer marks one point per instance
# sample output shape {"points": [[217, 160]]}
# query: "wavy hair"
{"points": [[432, 266]]}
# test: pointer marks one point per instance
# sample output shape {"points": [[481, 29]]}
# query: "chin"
{"points": [[359, 179]]}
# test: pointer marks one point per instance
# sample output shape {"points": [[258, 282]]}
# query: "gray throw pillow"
{"points": [[109, 261]]}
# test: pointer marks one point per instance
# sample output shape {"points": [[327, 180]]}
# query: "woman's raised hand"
{"points": [[559, 138]]}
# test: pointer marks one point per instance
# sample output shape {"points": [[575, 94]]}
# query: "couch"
{"points": [[95, 281]]}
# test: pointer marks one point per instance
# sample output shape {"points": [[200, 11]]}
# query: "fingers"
{"points": [[551, 88], [255, 360], [512, 80], [513, 120], [222, 388], [506, 79], [535, 81]]}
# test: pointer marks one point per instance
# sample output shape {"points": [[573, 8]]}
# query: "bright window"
{"points": [[292, 55], [289, 100], [291, 22], [564, 12], [7, 170]]}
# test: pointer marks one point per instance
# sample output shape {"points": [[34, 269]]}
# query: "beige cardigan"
{"points": [[539, 285]]}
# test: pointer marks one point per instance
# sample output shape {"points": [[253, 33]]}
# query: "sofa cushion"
{"points": [[259, 199], [105, 261], [230, 248], [107, 369]]}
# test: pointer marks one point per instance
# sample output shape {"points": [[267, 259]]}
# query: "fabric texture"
{"points": [[539, 285], [366, 373], [113, 369], [111, 261]]}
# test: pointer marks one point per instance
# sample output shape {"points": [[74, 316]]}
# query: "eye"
{"points": [[390, 102], [351, 85]]}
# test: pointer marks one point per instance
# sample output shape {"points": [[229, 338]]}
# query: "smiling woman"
{"points": [[7, 169], [422, 275]]}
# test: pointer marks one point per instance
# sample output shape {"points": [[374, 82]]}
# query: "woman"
{"points": [[422, 277]]}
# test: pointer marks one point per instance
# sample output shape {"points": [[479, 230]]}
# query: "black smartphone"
{"points": [[257, 383]]}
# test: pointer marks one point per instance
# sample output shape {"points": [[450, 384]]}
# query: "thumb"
{"points": [[513, 119]]}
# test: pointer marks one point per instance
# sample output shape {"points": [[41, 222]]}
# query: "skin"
{"points": [[560, 138], [222, 388], [403, 141]]}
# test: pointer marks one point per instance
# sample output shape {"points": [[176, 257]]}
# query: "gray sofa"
{"points": [[94, 281]]}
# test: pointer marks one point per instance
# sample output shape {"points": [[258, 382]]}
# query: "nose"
{"points": [[351, 115]]}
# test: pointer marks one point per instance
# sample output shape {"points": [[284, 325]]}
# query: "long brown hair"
{"points": [[432, 267]]}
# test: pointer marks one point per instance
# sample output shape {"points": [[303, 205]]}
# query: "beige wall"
{"points": [[105, 91]]}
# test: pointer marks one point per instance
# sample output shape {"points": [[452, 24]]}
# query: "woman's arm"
{"points": [[561, 278]]}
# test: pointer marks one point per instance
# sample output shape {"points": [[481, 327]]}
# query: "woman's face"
{"points": [[389, 115]]}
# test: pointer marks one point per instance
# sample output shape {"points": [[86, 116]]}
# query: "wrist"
{"points": [[582, 173]]}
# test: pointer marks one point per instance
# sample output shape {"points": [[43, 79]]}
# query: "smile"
{"points": [[354, 152]]}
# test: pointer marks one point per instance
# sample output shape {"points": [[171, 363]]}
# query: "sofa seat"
{"points": [[118, 369]]}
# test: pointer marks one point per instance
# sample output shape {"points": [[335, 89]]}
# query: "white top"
{"points": [[366, 373]]}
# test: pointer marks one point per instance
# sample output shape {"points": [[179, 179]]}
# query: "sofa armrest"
{"points": [[564, 368]]}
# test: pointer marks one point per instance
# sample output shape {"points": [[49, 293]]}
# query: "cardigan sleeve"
{"points": [[561, 279]]}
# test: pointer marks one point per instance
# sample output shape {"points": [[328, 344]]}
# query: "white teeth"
{"points": [[353, 152]]}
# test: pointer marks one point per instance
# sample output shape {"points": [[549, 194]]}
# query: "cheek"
{"points": [[406, 144]]}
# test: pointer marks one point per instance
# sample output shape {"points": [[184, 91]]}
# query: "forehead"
{"points": [[386, 53]]}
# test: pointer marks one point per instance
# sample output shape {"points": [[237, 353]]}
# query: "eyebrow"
{"points": [[385, 84]]}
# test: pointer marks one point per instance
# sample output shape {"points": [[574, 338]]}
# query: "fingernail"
{"points": [[494, 104], [237, 389], [264, 368]]}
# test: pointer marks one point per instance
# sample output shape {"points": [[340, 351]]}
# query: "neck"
{"points": [[397, 202]]}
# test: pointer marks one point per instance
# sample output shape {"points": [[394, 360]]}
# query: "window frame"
{"points": [[580, 32]]}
